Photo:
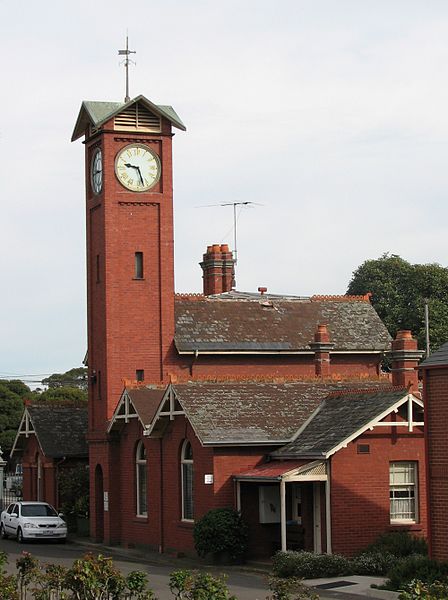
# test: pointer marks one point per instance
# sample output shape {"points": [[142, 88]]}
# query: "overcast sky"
{"points": [[330, 114]]}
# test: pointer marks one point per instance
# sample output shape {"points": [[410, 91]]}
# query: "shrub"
{"points": [[290, 589], [8, 583], [187, 585], [49, 583], [136, 583], [399, 543], [416, 567], [373, 563], [417, 590], [94, 577], [219, 531], [309, 565]]}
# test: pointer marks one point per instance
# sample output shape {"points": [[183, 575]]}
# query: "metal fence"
{"points": [[12, 489]]}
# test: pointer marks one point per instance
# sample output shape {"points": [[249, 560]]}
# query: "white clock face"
{"points": [[96, 171], [137, 167]]}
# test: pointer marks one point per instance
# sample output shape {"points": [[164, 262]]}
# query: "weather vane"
{"points": [[126, 62]]}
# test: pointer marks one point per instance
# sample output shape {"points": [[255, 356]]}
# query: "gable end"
{"points": [[137, 117]]}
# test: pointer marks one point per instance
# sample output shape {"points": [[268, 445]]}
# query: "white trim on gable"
{"points": [[124, 411], [26, 428], [376, 422], [167, 408]]}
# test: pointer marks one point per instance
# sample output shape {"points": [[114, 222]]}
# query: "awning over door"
{"points": [[283, 472], [287, 470]]}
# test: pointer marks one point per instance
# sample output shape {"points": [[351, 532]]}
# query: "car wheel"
{"points": [[3, 533], [20, 536]]}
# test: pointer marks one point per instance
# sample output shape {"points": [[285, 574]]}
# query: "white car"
{"points": [[32, 521]]}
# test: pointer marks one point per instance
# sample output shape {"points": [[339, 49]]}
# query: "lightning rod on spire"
{"points": [[126, 62]]}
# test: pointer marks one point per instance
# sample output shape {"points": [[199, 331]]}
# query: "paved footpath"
{"points": [[246, 583]]}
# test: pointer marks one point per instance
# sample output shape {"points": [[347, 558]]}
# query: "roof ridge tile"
{"points": [[341, 297], [367, 390]]}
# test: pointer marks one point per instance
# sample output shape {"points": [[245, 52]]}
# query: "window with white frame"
{"points": [[187, 481], [403, 489], [141, 481]]}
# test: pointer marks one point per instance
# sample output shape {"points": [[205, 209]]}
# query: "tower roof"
{"points": [[97, 113]]}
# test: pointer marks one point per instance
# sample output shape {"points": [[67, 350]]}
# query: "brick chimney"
{"points": [[322, 347], [405, 357], [218, 266]]}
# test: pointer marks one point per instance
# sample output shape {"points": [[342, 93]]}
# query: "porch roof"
{"points": [[289, 469]]}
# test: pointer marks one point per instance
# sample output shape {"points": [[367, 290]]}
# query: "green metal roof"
{"points": [[97, 113]]}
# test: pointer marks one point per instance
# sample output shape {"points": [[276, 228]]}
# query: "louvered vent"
{"points": [[137, 117]]}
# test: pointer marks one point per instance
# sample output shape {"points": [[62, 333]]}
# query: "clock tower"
{"points": [[130, 266]]}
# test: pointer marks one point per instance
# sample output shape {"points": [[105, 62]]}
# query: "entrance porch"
{"points": [[287, 506]]}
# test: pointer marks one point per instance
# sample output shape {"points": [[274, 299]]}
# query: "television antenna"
{"points": [[235, 219], [126, 62]]}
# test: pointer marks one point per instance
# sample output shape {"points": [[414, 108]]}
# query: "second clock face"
{"points": [[137, 167], [96, 171]]}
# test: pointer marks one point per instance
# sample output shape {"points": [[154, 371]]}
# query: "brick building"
{"points": [[435, 391], [272, 404], [49, 439]]}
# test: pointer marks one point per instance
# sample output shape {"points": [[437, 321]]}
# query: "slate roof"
{"points": [[437, 358], [248, 413], [339, 416], [146, 401], [97, 113], [61, 431], [229, 322]]}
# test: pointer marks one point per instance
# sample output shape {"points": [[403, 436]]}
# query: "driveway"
{"points": [[244, 583]]}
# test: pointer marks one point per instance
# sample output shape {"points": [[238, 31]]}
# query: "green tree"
{"points": [[12, 395], [399, 289], [74, 378], [68, 396]]}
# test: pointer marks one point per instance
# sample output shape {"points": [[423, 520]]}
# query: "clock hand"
{"points": [[140, 175]]}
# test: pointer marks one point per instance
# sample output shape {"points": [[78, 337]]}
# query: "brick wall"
{"points": [[436, 418], [264, 367], [360, 504]]}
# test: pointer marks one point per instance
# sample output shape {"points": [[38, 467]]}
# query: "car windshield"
{"points": [[38, 510]]}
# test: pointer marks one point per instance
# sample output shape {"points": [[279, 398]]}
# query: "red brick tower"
{"points": [[130, 270]]}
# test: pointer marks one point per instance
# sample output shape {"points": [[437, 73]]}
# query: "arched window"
{"points": [[187, 481], [141, 482]]}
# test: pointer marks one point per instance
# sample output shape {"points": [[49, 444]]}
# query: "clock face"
{"points": [[96, 171], [137, 167]]}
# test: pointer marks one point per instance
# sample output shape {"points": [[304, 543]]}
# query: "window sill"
{"points": [[408, 526], [140, 519], [186, 524], [138, 279]]}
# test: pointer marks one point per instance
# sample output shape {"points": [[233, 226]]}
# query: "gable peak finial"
{"points": [[126, 61]]}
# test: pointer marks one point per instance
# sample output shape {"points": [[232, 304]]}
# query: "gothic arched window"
{"points": [[141, 481], [187, 481]]}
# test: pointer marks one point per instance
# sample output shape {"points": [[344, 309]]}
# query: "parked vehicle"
{"points": [[32, 521]]}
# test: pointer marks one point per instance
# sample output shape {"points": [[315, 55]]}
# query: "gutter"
{"points": [[196, 352]]}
